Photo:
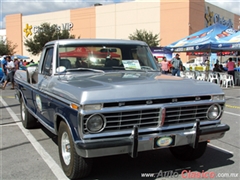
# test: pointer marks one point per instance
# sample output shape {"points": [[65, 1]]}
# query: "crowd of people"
{"points": [[9, 66], [175, 66]]}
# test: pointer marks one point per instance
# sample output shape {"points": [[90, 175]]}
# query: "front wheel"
{"points": [[183, 68], [188, 153], [73, 165], [28, 120]]}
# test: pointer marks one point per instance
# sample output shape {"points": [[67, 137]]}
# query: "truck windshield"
{"points": [[106, 57]]}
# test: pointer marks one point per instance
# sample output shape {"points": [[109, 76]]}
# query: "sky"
{"points": [[28, 7]]}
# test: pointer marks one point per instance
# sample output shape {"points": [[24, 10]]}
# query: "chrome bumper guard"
{"points": [[134, 144]]}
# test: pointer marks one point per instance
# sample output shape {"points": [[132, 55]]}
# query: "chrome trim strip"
{"points": [[38, 118]]}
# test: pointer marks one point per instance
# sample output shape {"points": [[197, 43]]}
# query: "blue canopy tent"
{"points": [[229, 43], [160, 52], [20, 56], [202, 40]]}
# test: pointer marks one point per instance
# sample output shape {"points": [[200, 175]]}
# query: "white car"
{"points": [[193, 62]]}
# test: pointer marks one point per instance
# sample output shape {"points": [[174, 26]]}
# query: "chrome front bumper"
{"points": [[137, 143]]}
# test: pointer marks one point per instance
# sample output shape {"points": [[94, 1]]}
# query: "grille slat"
{"points": [[186, 119], [133, 119], [184, 110], [189, 114]]}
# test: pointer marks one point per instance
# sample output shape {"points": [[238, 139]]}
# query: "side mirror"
{"points": [[31, 71], [61, 69]]}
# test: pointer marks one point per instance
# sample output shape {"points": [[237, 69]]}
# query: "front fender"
{"points": [[58, 118]]}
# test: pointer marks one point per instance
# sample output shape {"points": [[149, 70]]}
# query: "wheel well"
{"points": [[19, 94], [58, 121]]}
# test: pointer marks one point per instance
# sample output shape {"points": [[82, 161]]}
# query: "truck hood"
{"points": [[112, 87]]}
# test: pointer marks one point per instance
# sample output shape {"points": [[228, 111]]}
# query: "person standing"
{"points": [[230, 66], [16, 63], [164, 65], [177, 65], [10, 72], [24, 63], [217, 68], [4, 69]]}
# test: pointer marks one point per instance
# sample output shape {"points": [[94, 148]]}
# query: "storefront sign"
{"points": [[29, 29], [64, 26], [213, 18]]}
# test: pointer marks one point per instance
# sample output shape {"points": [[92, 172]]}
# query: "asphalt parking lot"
{"points": [[33, 154]]}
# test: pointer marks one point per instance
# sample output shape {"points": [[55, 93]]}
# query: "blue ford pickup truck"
{"points": [[106, 97]]}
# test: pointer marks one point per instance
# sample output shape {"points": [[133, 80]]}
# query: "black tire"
{"points": [[183, 68], [28, 120], [187, 153], [74, 167]]}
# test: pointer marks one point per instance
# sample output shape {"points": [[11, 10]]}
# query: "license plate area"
{"points": [[164, 141]]}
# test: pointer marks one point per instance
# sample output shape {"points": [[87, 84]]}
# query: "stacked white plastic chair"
{"points": [[196, 74], [237, 79], [201, 76], [227, 80], [182, 74], [190, 75], [221, 76], [213, 77]]}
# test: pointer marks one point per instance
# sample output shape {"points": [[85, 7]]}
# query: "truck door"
{"points": [[43, 100]]}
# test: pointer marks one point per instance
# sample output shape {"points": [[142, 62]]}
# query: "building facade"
{"points": [[171, 20]]}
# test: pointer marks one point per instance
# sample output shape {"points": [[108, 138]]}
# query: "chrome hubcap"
{"points": [[66, 148], [23, 112]]}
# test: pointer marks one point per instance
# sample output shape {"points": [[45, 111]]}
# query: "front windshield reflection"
{"points": [[106, 57]]}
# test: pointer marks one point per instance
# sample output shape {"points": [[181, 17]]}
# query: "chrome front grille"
{"points": [[186, 114], [150, 118], [126, 120]]}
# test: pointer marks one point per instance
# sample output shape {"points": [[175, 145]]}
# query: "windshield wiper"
{"points": [[143, 68], [117, 67], [85, 69]]}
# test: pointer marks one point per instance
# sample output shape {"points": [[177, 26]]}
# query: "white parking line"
{"points": [[216, 147], [231, 97], [8, 125], [57, 171], [226, 112]]}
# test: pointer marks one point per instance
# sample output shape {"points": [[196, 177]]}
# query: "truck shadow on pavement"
{"points": [[9, 106], [124, 167], [49, 134]]}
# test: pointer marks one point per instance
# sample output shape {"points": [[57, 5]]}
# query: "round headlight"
{"points": [[214, 112], [95, 123]]}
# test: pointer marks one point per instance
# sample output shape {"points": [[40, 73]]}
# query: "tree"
{"points": [[7, 47], [148, 37], [46, 33]]}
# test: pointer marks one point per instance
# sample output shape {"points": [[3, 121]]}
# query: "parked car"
{"points": [[105, 97], [194, 62]]}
